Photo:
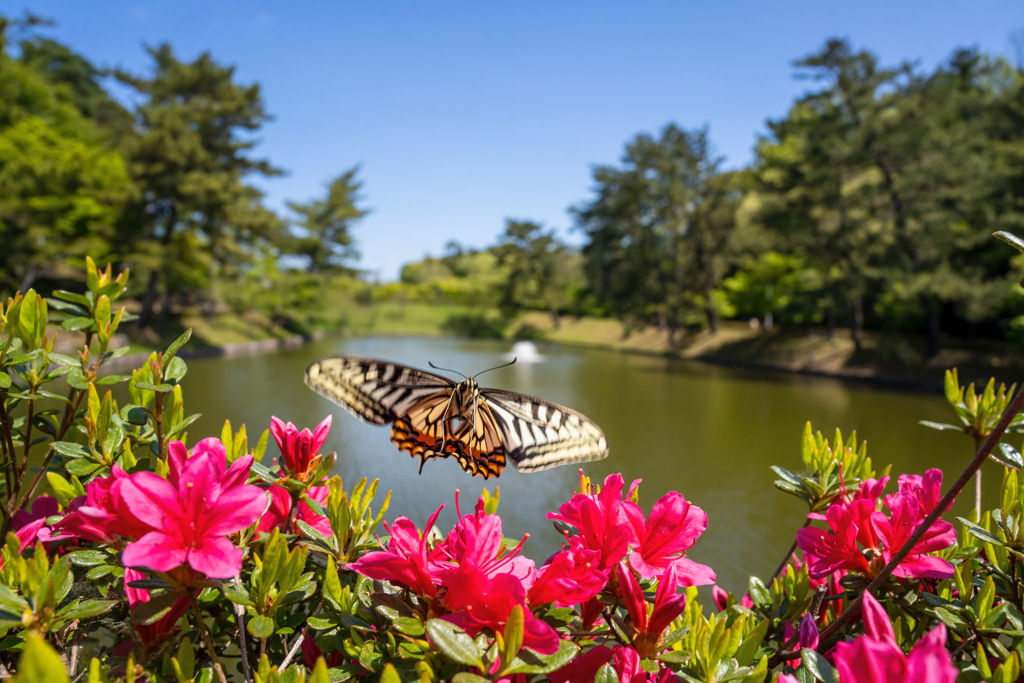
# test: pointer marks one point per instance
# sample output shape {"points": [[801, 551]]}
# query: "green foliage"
{"points": [[326, 224]]}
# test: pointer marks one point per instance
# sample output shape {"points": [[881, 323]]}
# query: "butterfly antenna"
{"points": [[447, 370], [496, 367]]}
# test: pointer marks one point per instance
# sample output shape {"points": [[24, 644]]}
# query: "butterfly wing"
{"points": [[538, 434], [376, 391]]}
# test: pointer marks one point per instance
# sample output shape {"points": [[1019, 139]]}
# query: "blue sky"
{"points": [[462, 114]]}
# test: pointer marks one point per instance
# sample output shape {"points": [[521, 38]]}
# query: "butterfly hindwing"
{"points": [[373, 390], [540, 434]]}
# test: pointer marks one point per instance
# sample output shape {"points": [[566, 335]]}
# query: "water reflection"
{"points": [[707, 431]]}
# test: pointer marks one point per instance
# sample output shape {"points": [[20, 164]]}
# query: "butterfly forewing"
{"points": [[539, 434], [375, 391]]}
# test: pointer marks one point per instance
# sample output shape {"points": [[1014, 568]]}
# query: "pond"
{"points": [[707, 431]]}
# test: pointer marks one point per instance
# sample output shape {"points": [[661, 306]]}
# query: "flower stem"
{"points": [[298, 641], [201, 625], [789, 554]]}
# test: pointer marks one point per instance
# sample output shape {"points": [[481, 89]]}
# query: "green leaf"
{"points": [[237, 595], [152, 611], [80, 467], [62, 489], [176, 369], [260, 626], [462, 677], [759, 594], [5, 380], [606, 674], [86, 609], [1011, 239], [409, 626], [514, 626], [61, 359], [180, 427], [981, 532], [1007, 456], [88, 558], [390, 675], [817, 665], [70, 449], [454, 643], [77, 323], [72, 297], [40, 663], [174, 347], [136, 415], [941, 426], [162, 388], [529, 662], [113, 379]]}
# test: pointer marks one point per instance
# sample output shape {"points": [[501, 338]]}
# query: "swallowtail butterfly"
{"points": [[435, 417]]}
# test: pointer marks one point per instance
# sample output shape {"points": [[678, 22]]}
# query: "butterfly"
{"points": [[435, 417]]}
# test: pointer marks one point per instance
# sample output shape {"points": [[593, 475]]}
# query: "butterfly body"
{"points": [[435, 417]]}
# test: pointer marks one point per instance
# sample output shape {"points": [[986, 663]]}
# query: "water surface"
{"points": [[707, 431]]}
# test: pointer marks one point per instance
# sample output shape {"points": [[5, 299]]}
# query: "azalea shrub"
{"points": [[136, 551]]}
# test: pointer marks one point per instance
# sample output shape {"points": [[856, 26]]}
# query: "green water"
{"points": [[707, 431]]}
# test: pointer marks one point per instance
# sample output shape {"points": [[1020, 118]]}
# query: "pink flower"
{"points": [[479, 601], [299, 449], [833, 551], [164, 627], [863, 539], [312, 652], [584, 667], [407, 561], [102, 516], [276, 516], [570, 577], [601, 520], [875, 657], [648, 628], [673, 527], [30, 526], [895, 530], [190, 518], [477, 540]]}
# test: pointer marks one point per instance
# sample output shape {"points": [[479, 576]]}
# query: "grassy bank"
{"points": [[890, 359]]}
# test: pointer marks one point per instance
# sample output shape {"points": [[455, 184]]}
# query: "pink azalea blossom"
{"points": [[31, 526], [862, 539], [312, 652], [477, 540], [479, 601], [663, 539], [584, 667], [164, 627], [407, 561], [299, 449], [875, 657], [602, 520], [277, 515], [102, 515], [649, 627], [190, 519], [570, 577]]}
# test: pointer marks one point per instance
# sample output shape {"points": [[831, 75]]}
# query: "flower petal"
{"points": [[216, 557], [157, 551]]}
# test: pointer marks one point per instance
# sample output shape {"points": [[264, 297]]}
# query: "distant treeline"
{"points": [[870, 205]]}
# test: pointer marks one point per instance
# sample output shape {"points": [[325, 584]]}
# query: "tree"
{"points": [[189, 159], [656, 228], [535, 263], [325, 225], [61, 189]]}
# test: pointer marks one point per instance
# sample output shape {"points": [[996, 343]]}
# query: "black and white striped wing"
{"points": [[374, 390], [539, 434]]}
